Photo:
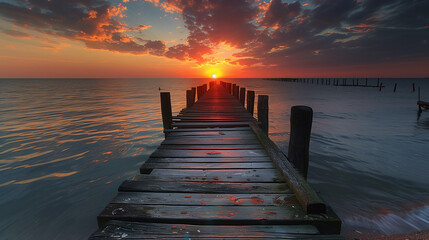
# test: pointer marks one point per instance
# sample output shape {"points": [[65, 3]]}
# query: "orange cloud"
{"points": [[361, 28]]}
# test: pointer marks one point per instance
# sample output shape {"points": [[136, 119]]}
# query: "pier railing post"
{"points": [[194, 91], [189, 98], [233, 89], [301, 119], [263, 112], [199, 92], [250, 101], [167, 116], [242, 95]]}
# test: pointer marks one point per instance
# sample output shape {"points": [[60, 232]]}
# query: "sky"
{"points": [[229, 38]]}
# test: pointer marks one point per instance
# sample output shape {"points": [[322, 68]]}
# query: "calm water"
{"points": [[66, 145]]}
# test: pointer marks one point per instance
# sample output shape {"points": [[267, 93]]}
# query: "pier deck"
{"points": [[216, 176]]}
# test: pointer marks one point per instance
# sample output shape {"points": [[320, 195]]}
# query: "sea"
{"points": [[67, 144]]}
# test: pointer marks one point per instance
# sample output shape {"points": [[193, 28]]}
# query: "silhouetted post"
{"points": [[233, 89], [378, 82], [263, 112], [242, 95], [228, 88], [199, 92], [167, 116], [189, 100], [194, 93], [237, 91], [204, 88], [394, 88], [366, 82], [212, 83], [250, 101], [381, 85], [414, 88], [301, 119]]}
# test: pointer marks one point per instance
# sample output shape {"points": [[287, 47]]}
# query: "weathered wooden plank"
{"points": [[247, 134], [208, 153], [208, 129], [211, 120], [209, 160], [209, 140], [230, 215], [251, 175], [194, 199], [213, 177], [258, 165], [203, 187], [143, 230], [209, 124], [210, 147]]}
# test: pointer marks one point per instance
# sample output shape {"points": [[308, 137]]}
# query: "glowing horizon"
{"points": [[154, 38]]}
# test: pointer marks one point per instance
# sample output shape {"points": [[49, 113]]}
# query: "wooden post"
{"points": [[204, 88], [381, 85], [301, 119], [199, 92], [394, 88], [414, 88], [242, 95], [233, 89], [194, 93], [263, 112], [189, 98], [237, 91], [228, 87], [250, 101], [167, 116]]}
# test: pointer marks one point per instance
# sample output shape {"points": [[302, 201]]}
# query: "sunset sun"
{"points": [[213, 75]]}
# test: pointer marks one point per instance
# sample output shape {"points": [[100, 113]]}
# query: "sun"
{"points": [[213, 75]]}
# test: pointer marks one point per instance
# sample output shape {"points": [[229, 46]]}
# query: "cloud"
{"points": [[95, 22], [279, 35], [16, 33]]}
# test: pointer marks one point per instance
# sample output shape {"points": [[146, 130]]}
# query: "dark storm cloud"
{"points": [[94, 22], [339, 33]]}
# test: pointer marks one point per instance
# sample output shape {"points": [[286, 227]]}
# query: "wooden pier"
{"points": [[218, 176]]}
